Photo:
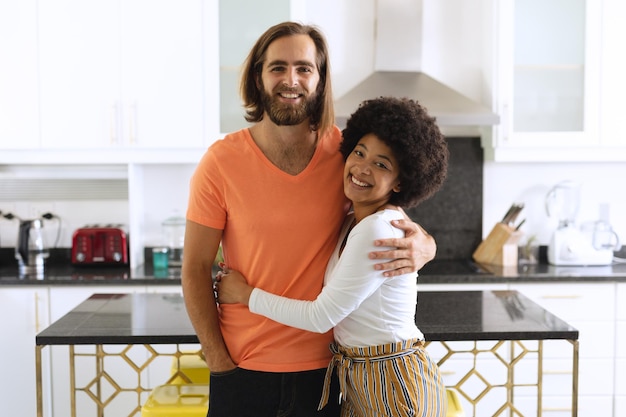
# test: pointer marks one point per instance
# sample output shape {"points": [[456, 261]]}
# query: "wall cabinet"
{"points": [[119, 77], [19, 114], [612, 73], [234, 45], [557, 85], [24, 313], [121, 74]]}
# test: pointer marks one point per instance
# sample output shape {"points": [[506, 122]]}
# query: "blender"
{"points": [[569, 245]]}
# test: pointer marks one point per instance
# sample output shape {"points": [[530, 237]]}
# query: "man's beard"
{"points": [[283, 114]]}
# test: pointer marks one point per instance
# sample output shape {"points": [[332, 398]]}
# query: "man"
{"points": [[273, 195]]}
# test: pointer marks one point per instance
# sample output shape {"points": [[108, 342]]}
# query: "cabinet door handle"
{"points": [[132, 123], [565, 297], [504, 123]]}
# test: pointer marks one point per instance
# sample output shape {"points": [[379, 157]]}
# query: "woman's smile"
{"points": [[357, 182]]}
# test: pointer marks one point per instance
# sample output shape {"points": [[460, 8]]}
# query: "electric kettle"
{"points": [[31, 250]]}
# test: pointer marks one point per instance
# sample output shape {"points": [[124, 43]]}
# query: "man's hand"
{"points": [[412, 252]]}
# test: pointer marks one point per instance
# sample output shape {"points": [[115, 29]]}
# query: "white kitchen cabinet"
{"points": [[612, 75], [126, 74], [557, 88], [234, 45], [19, 126], [62, 300], [590, 308], [24, 312]]}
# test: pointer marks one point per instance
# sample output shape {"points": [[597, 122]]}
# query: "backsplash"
{"points": [[454, 215]]}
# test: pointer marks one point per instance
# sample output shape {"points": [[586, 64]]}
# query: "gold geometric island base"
{"points": [[494, 378]]}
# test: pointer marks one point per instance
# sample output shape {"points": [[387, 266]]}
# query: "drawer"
{"points": [[570, 302]]}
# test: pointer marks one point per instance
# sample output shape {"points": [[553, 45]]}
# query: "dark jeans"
{"points": [[241, 393]]}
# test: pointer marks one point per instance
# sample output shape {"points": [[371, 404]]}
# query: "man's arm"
{"points": [[412, 252], [201, 245]]}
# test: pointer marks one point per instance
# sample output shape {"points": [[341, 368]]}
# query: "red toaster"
{"points": [[100, 244]]}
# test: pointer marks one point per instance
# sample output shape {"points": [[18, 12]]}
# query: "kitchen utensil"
{"points": [[100, 244], [499, 247], [31, 250], [512, 213]]}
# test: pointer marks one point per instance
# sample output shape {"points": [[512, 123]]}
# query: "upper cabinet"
{"points": [[612, 75], [234, 45], [19, 111], [121, 74], [125, 80], [552, 90]]}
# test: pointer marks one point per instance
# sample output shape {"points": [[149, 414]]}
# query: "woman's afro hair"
{"points": [[414, 138]]}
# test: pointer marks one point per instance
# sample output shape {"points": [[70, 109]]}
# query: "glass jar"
{"points": [[174, 238]]}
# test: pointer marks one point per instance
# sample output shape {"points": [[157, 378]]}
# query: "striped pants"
{"points": [[395, 379]]}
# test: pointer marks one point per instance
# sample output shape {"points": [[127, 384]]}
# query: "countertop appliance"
{"points": [[31, 251], [100, 244], [569, 244]]}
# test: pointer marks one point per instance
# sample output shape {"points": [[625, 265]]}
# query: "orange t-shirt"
{"points": [[279, 231]]}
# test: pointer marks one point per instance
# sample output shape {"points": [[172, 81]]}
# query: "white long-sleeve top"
{"points": [[364, 307]]}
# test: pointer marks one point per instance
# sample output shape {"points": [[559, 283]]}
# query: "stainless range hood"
{"points": [[398, 57], [450, 107]]}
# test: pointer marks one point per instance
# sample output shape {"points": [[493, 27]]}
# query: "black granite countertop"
{"points": [[436, 272], [447, 316], [60, 271]]}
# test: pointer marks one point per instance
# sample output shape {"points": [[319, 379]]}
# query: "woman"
{"points": [[395, 156]]}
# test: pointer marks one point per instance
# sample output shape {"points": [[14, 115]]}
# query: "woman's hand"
{"points": [[411, 253], [231, 287]]}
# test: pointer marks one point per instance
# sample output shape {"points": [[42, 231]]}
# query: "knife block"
{"points": [[500, 246]]}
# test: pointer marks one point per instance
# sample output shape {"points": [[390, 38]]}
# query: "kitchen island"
{"points": [[512, 324]]}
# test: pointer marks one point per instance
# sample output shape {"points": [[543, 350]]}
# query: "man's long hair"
{"points": [[322, 118]]}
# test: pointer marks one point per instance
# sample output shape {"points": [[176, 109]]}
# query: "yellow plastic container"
{"points": [[193, 367], [181, 400], [455, 409]]}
